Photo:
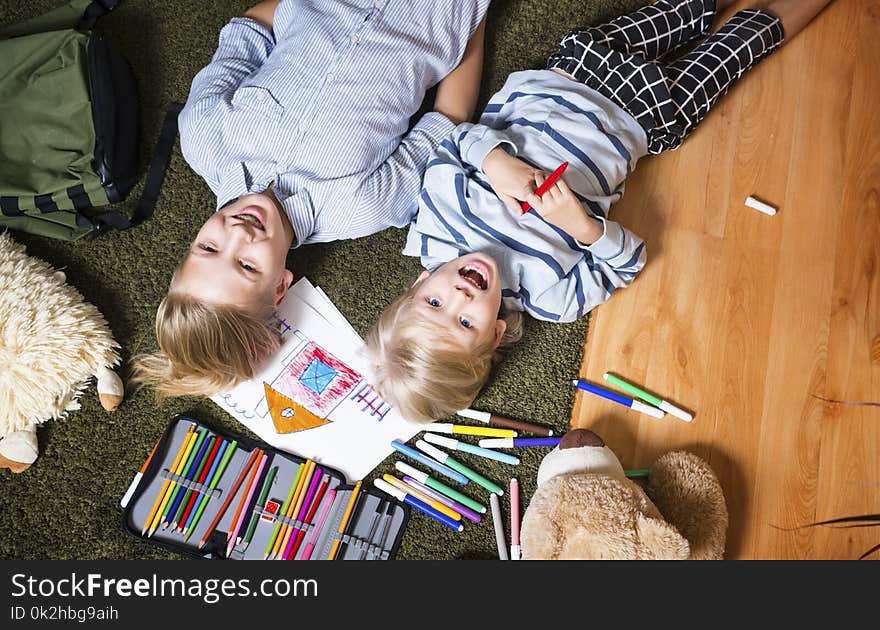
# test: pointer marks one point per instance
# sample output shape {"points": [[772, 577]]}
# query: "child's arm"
{"points": [[457, 92], [618, 251], [263, 12]]}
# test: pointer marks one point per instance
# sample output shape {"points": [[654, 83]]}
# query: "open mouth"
{"points": [[476, 274], [251, 218]]}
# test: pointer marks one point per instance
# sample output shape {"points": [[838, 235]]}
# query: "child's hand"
{"points": [[511, 178], [560, 207]]}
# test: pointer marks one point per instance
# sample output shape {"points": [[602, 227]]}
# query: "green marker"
{"points": [[444, 458], [283, 512], [648, 398], [442, 488], [261, 502], [637, 473], [203, 500]]}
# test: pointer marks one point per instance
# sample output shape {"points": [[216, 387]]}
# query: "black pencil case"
{"points": [[374, 523]]}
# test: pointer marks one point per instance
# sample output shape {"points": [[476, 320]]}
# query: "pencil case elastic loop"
{"points": [[361, 544], [286, 520], [191, 485]]}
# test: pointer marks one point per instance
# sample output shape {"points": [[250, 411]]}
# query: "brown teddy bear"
{"points": [[586, 508]]}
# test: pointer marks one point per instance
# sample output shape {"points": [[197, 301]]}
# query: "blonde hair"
{"points": [[204, 349], [420, 370]]}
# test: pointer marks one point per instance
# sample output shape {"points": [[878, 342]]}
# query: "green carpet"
{"points": [[67, 504]]}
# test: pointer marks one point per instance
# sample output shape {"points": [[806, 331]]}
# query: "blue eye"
{"points": [[433, 302], [465, 322]]}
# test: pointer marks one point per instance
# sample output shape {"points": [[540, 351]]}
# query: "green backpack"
{"points": [[69, 127]]}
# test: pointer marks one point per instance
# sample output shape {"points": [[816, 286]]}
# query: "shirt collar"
{"points": [[237, 181]]}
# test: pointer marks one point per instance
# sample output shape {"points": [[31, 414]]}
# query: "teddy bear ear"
{"points": [[660, 540]]}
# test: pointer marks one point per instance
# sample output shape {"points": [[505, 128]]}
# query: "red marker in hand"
{"points": [[546, 185]]}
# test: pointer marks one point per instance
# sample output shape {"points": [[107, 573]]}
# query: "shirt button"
{"points": [[378, 3], [329, 76], [355, 39]]}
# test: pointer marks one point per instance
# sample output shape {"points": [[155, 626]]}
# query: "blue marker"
{"points": [[427, 461], [619, 399], [400, 495]]}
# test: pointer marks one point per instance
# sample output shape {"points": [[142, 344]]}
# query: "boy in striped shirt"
{"points": [[605, 100]]}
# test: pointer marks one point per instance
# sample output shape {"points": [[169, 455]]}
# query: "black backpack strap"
{"points": [[153, 183]]}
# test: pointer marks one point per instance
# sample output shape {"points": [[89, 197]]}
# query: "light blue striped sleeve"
{"points": [[620, 250], [389, 196], [479, 141]]}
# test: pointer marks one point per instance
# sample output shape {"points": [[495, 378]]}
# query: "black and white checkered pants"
{"points": [[624, 61]]}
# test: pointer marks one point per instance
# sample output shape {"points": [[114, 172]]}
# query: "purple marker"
{"points": [[454, 505], [513, 442]]}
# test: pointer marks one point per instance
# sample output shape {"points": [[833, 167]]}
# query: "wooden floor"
{"points": [[750, 320]]}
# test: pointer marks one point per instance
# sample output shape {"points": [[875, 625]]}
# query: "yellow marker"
{"points": [[345, 516], [297, 504], [421, 496], [175, 470], [464, 429], [161, 494]]}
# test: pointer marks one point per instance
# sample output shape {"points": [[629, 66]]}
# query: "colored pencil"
{"points": [[207, 475], [350, 526], [294, 509], [251, 486], [500, 421], [310, 546], [444, 458], [261, 503], [424, 498], [316, 501], [157, 519], [192, 461], [607, 394], [437, 486], [465, 511], [470, 448], [252, 460], [305, 504], [551, 179], [254, 472], [345, 516], [200, 471], [138, 476], [668, 407], [282, 512], [427, 461], [465, 429], [204, 498], [161, 494], [514, 519], [495, 505], [515, 442], [407, 498]]}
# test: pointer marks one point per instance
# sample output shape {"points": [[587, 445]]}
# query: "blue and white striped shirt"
{"points": [[319, 108], [544, 119]]}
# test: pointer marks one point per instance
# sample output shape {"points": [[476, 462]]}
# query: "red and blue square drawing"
{"points": [[316, 379]]}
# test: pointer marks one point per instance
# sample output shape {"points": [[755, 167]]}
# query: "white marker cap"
{"points": [[675, 411], [648, 409], [406, 469], [439, 427], [760, 206], [384, 486], [432, 451], [442, 441], [496, 443], [473, 414]]}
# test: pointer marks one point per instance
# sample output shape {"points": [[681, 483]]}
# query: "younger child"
{"points": [[606, 100]]}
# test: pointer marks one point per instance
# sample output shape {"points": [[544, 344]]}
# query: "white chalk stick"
{"points": [[760, 206]]}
